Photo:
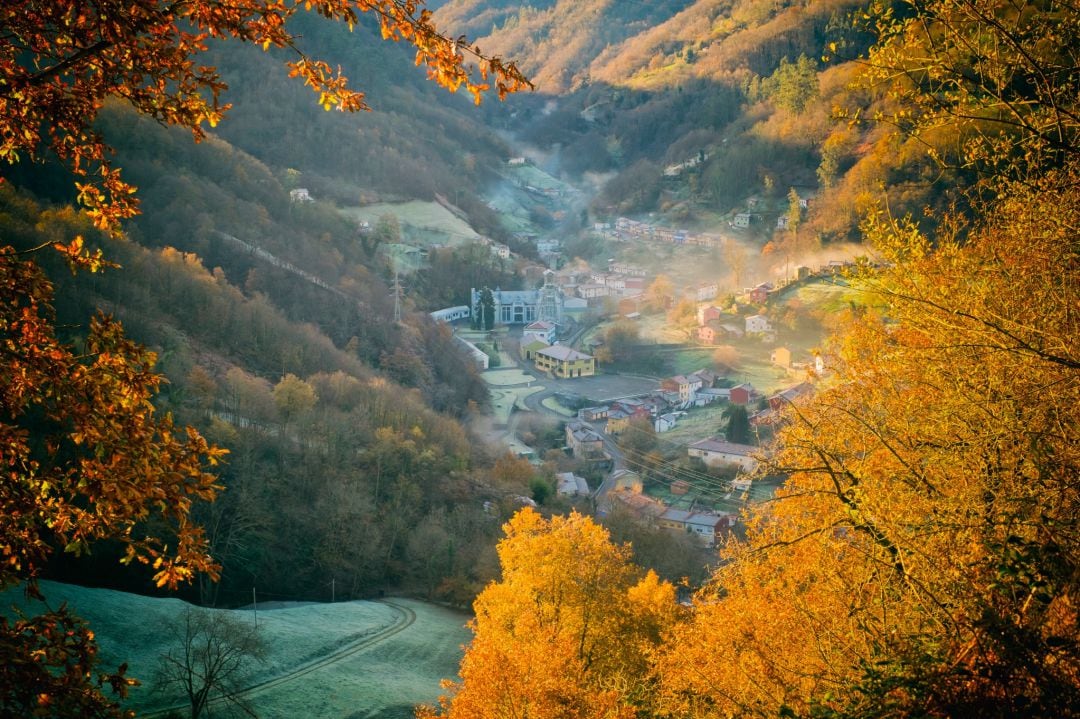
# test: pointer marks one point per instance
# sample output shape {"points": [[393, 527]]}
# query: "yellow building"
{"points": [[565, 362]]}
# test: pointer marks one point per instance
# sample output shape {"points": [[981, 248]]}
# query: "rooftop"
{"points": [[563, 353], [718, 445]]}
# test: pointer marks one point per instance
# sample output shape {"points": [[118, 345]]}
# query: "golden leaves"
{"points": [[106, 460], [568, 629], [59, 63], [78, 257]]}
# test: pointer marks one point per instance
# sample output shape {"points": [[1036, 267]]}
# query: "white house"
{"points": [[757, 325], [300, 194], [717, 452], [665, 422], [592, 290], [742, 219], [706, 291], [539, 330]]}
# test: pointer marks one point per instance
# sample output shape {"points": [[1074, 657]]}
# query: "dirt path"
{"points": [[406, 617]]}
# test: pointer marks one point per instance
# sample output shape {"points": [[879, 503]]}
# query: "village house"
{"points": [[732, 330], [757, 325], [783, 222], [685, 386], [633, 284], [665, 422], [615, 283], [617, 421], [781, 357], [715, 452], [760, 294], [710, 333], [706, 291], [626, 480], [529, 349], [707, 313], [623, 411], [591, 290], [301, 194], [539, 330], [707, 377], [625, 268], [708, 395], [500, 250], [789, 395], [568, 484], [706, 526], [593, 414], [742, 394], [639, 505], [741, 220], [564, 362], [583, 441]]}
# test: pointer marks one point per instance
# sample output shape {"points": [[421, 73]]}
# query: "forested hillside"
{"points": [[272, 320], [747, 91]]}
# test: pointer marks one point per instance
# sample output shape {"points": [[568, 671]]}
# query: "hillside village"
{"points": [[554, 337]]}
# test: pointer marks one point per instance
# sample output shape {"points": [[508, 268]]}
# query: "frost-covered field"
{"points": [[386, 657]]}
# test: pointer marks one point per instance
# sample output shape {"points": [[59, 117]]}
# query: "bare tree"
{"points": [[209, 658]]}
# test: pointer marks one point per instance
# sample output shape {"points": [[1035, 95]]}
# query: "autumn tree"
{"points": [[87, 457], [985, 86], [566, 631], [60, 61], [619, 340], [922, 556], [660, 293], [293, 397]]}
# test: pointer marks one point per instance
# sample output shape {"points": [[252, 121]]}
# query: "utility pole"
{"points": [[255, 607], [333, 597], [398, 293]]}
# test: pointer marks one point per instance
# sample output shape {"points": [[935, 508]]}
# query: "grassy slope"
{"points": [[385, 680]]}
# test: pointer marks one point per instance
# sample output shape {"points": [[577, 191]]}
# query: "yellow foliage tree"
{"points": [[923, 555], [568, 631]]}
